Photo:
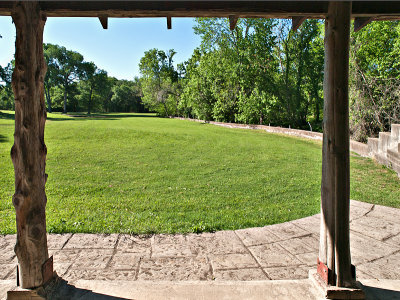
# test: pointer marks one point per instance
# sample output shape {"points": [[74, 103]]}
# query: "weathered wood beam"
{"points": [[334, 249], [297, 21], [28, 153], [104, 21], [360, 23], [169, 23], [232, 22]]}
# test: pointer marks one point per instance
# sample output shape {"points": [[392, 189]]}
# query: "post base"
{"points": [[23, 294], [334, 292]]}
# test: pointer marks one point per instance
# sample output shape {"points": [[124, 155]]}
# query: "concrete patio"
{"points": [[251, 257]]}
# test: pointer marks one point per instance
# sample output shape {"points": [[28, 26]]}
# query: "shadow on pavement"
{"points": [[60, 289], [376, 293]]}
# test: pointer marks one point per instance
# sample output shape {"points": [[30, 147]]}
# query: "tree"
{"points": [[159, 81], [374, 79], [93, 81], [65, 68], [6, 93]]}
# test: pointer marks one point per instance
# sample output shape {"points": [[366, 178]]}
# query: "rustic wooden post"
{"points": [[29, 150], [334, 252]]}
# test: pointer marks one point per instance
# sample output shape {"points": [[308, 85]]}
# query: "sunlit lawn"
{"points": [[142, 174]]}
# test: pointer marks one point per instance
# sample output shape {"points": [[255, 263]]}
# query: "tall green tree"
{"points": [[66, 67], [159, 81]]}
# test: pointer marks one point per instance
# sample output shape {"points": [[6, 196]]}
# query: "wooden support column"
{"points": [[334, 252], [29, 150]]}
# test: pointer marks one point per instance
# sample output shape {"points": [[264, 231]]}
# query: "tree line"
{"points": [[261, 72], [75, 85]]}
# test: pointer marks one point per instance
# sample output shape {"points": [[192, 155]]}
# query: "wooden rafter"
{"points": [[297, 21], [232, 22], [169, 23], [223, 9], [360, 23], [104, 21]]}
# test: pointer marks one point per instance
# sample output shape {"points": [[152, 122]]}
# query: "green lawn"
{"points": [[141, 174]]}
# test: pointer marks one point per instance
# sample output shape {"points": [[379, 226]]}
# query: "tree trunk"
{"points": [[65, 95], [48, 97], [334, 249], [90, 100], [29, 150]]}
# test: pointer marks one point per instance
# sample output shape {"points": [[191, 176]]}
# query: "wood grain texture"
{"points": [[335, 186], [29, 150], [269, 9]]}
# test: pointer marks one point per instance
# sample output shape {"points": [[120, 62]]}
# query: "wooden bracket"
{"points": [[297, 21], [325, 273], [47, 270], [104, 21], [361, 22], [169, 23], [232, 22]]}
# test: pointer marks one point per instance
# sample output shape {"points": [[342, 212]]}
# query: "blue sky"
{"points": [[119, 48]]}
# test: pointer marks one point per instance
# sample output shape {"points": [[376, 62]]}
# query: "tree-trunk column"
{"points": [[29, 150], [334, 249]]}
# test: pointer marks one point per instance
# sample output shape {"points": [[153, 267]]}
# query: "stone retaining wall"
{"points": [[357, 147]]}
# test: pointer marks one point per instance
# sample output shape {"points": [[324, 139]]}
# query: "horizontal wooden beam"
{"points": [[297, 21], [104, 21], [232, 22], [177, 8], [360, 23], [169, 23]]}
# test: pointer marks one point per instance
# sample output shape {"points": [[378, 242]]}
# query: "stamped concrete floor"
{"points": [[284, 251]]}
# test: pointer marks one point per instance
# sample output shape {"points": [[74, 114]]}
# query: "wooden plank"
{"points": [[169, 23], [360, 23], [232, 22], [104, 21], [335, 186], [297, 21], [28, 153]]}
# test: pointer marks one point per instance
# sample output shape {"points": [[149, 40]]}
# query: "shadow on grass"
{"points": [[6, 116], [3, 139], [86, 117]]}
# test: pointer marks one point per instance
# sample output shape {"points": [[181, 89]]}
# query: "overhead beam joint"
{"points": [[232, 22], [361, 22], [297, 21], [104, 21]]}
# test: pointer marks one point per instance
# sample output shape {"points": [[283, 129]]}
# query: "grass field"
{"points": [[141, 174]]}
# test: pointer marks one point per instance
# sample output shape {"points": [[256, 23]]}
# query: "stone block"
{"points": [[310, 224], [395, 134], [387, 267], [171, 246], [93, 259], [273, 255], [365, 249], [301, 245], [99, 274], [125, 261], [66, 256], [134, 244], [175, 269], [373, 145], [220, 242], [8, 271], [242, 275], [288, 230], [84, 241], [385, 213], [375, 228], [384, 141], [256, 236], [288, 273], [232, 261], [57, 241]]}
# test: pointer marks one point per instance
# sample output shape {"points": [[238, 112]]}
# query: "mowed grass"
{"points": [[141, 174]]}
